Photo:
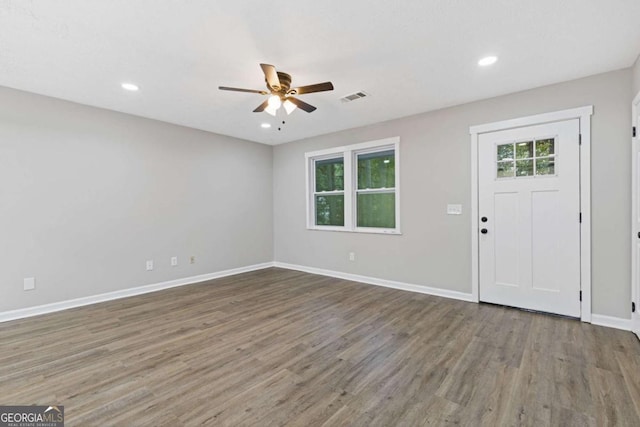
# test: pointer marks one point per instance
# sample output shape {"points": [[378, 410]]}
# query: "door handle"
{"points": [[484, 219], [484, 231]]}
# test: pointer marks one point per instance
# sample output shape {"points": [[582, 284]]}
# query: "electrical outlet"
{"points": [[150, 265], [352, 256], [174, 261], [29, 283], [192, 259]]}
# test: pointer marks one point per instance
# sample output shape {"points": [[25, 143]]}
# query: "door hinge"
{"points": [[580, 295], [633, 307], [580, 217], [579, 139], [634, 131]]}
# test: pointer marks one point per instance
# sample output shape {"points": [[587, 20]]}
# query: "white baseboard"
{"points": [[109, 296], [596, 319], [611, 322], [379, 282]]}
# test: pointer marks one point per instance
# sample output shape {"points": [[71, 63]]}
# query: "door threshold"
{"points": [[562, 316]]}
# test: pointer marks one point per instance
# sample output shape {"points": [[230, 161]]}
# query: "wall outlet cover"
{"points": [[150, 265], [29, 283], [174, 261]]}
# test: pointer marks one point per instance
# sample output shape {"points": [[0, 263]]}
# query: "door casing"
{"points": [[635, 241], [584, 115]]}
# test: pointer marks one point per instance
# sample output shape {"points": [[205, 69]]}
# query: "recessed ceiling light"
{"points": [[130, 86], [265, 125], [487, 60]]}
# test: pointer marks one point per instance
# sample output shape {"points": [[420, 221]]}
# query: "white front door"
{"points": [[529, 217]]}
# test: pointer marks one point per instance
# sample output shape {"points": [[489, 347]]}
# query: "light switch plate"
{"points": [[454, 209]]}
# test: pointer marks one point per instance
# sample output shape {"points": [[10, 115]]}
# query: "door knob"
{"points": [[483, 219], [484, 231]]}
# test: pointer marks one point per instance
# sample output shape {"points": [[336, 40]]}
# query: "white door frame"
{"points": [[584, 115], [635, 284]]}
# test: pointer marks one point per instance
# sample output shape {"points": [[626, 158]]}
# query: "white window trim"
{"points": [[349, 152]]}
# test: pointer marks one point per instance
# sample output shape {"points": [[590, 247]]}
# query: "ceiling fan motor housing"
{"points": [[285, 84], [280, 87]]}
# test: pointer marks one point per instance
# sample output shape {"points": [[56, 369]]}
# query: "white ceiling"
{"points": [[411, 56]]}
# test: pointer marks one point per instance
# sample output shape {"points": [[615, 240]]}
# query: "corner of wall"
{"points": [[636, 76]]}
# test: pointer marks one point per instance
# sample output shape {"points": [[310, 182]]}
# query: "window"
{"points": [[329, 192], [354, 188], [532, 158], [375, 192]]}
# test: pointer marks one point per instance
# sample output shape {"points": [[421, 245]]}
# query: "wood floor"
{"points": [[279, 347]]}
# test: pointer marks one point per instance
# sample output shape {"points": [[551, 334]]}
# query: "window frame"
{"points": [[349, 154], [313, 191]]}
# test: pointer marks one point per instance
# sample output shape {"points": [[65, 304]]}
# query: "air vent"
{"points": [[354, 96]]}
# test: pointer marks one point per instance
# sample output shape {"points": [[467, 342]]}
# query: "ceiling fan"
{"points": [[279, 85]]}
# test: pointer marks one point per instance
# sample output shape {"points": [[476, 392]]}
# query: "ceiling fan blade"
{"points": [[235, 89], [261, 107], [319, 87], [301, 104], [271, 75]]}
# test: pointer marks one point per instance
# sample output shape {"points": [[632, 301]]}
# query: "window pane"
{"points": [[545, 147], [377, 170], [524, 149], [505, 152], [524, 167], [546, 166], [505, 169], [377, 210], [330, 175], [330, 210]]}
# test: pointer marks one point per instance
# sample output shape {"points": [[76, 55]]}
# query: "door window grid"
{"points": [[526, 159]]}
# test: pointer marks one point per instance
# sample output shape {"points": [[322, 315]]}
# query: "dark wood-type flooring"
{"points": [[280, 347]]}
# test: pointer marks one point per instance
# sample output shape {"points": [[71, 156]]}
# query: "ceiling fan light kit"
{"points": [[275, 102], [289, 106], [279, 85]]}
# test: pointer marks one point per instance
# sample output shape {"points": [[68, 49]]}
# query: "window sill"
{"points": [[358, 230]]}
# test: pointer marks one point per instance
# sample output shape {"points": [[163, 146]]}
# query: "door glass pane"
{"points": [[524, 149], [377, 210], [524, 167], [505, 169], [505, 152], [545, 147], [377, 170], [330, 209], [546, 166], [330, 175]]}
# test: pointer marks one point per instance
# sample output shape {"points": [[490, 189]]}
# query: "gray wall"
{"points": [[636, 77], [434, 249], [88, 195]]}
